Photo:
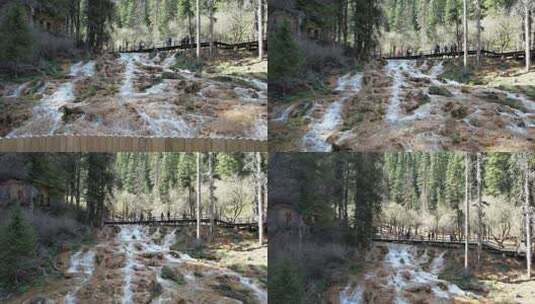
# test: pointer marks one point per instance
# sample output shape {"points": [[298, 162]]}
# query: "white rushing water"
{"points": [[405, 268], [315, 140], [163, 108], [127, 88], [137, 241], [395, 69], [46, 116], [81, 264]]}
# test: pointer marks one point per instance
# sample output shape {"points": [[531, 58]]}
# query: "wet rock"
{"points": [[171, 75], [406, 275], [231, 287], [442, 91], [70, 114], [174, 275], [115, 261], [417, 288], [416, 101], [457, 110], [190, 87], [40, 300], [420, 80]]}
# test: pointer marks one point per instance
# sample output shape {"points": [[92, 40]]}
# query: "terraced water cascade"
{"points": [[82, 265], [405, 270], [315, 140]]}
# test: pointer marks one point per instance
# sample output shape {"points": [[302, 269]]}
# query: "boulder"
{"points": [[442, 91]]}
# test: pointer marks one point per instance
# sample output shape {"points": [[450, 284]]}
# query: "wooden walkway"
{"points": [[177, 222], [250, 46], [83, 143], [486, 245], [507, 55]]}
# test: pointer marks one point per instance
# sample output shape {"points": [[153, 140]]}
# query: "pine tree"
{"points": [[286, 59], [17, 41], [18, 250]]}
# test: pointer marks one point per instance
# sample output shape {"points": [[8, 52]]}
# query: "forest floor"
{"points": [[151, 265], [163, 94], [395, 273], [411, 105]]}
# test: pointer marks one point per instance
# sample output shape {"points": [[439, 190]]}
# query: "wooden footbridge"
{"points": [[443, 242], [249, 46], [178, 222], [439, 55]]}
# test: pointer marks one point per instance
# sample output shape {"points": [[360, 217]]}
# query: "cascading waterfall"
{"points": [[316, 138], [405, 268], [137, 241], [46, 116], [395, 70], [82, 264]]}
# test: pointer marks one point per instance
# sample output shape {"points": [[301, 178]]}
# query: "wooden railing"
{"points": [[439, 241], [180, 222], [250, 45], [114, 143], [513, 54]]}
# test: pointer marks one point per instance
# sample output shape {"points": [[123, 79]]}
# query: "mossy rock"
{"points": [[171, 75], [173, 275], [70, 114], [442, 91], [232, 288]]}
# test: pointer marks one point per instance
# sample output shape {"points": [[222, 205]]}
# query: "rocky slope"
{"points": [[137, 94]]}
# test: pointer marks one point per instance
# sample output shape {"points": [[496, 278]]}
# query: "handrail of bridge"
{"points": [[249, 45], [516, 54], [178, 221], [486, 244], [120, 143]]}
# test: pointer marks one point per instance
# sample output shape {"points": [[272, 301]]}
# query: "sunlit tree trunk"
{"points": [[260, 31], [527, 216], [259, 198], [466, 210], [198, 25], [198, 211], [465, 25], [478, 24], [479, 210], [211, 189], [527, 34], [211, 17]]}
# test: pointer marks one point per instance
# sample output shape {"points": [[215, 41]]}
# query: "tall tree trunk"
{"points": [[478, 25], [259, 198], [211, 17], [198, 26], [260, 31], [211, 189], [465, 25], [479, 210], [527, 216], [466, 210], [527, 35], [198, 211]]}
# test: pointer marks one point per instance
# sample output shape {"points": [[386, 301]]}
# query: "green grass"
{"points": [[454, 70], [187, 63]]}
